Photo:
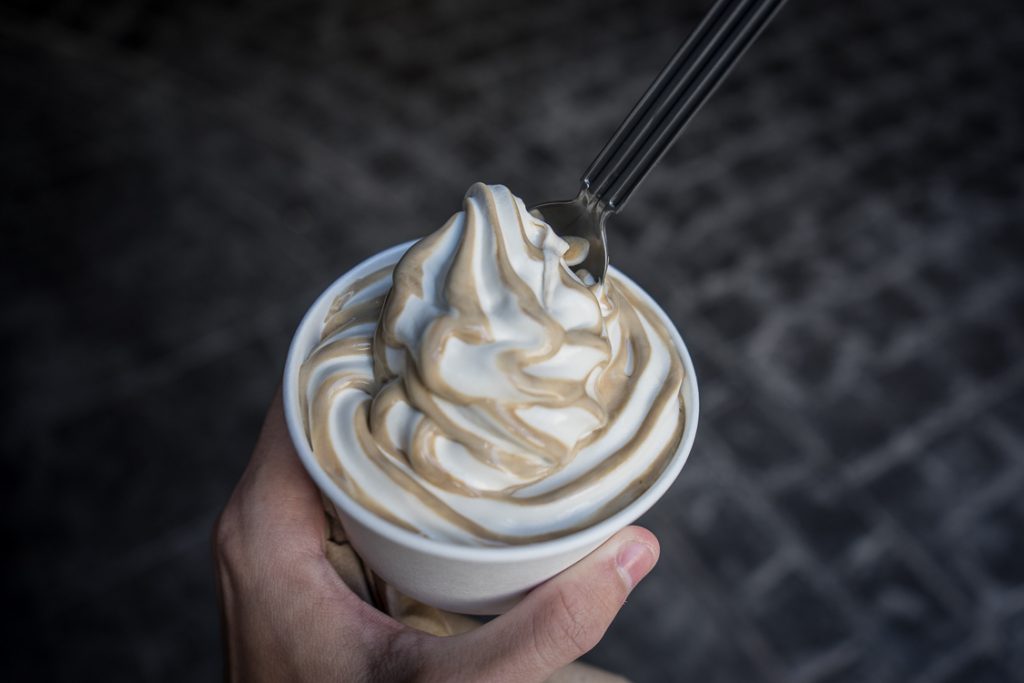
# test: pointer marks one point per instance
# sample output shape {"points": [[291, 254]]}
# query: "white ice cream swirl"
{"points": [[478, 391]]}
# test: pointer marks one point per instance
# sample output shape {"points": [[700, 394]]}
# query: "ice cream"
{"points": [[478, 391]]}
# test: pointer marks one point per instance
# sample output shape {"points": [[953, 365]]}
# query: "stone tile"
{"points": [[1013, 646], [982, 347], [853, 424], [923, 490], [808, 353], [912, 622], [851, 673], [800, 621], [1011, 413], [758, 439], [795, 278], [883, 317], [684, 639], [830, 517], [733, 540], [734, 316], [912, 390], [981, 670], [998, 543]]}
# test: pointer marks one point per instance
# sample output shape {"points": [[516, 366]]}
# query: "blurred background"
{"points": [[838, 236]]}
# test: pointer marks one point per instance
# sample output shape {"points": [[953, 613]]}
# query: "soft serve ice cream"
{"points": [[478, 391]]}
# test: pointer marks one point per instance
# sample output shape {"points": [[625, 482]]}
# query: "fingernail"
{"points": [[634, 561]]}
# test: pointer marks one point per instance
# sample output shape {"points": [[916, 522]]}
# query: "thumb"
{"points": [[563, 618]]}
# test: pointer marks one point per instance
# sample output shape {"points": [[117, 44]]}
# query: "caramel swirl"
{"points": [[479, 391]]}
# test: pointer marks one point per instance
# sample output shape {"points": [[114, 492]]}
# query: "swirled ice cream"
{"points": [[479, 391]]}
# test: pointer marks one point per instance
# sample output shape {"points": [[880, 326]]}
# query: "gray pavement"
{"points": [[838, 237]]}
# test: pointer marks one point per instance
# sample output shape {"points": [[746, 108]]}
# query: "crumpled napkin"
{"points": [[424, 617]]}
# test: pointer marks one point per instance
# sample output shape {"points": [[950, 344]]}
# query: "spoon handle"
{"points": [[674, 97]]}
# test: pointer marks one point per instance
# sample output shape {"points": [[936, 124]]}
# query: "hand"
{"points": [[288, 616]]}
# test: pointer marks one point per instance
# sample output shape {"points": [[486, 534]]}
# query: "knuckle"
{"points": [[571, 628], [222, 529], [222, 533], [400, 659], [226, 537]]}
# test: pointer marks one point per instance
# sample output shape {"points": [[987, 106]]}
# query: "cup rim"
{"points": [[591, 535]]}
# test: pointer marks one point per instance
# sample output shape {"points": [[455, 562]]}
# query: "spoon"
{"points": [[672, 100]]}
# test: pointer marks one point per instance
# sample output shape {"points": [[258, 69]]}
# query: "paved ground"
{"points": [[839, 238]]}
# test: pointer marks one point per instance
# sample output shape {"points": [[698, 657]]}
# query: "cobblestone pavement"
{"points": [[838, 237]]}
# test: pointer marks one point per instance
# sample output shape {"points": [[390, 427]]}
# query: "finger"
{"points": [[275, 496], [563, 618]]}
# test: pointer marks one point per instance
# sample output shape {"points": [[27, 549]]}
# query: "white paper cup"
{"points": [[460, 578]]}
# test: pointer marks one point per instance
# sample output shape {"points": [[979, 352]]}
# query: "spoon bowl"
{"points": [[581, 222]]}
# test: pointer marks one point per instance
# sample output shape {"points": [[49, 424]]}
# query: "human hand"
{"points": [[288, 616]]}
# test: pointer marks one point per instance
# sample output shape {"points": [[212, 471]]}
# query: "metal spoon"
{"points": [[672, 100]]}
